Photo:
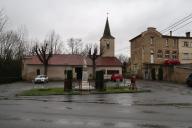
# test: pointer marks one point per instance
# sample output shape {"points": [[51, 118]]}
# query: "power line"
{"points": [[182, 26], [119, 50], [177, 23]]}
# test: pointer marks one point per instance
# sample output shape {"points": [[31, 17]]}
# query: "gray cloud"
{"points": [[86, 18]]}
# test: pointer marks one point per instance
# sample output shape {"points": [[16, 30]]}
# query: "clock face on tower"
{"points": [[108, 44]]}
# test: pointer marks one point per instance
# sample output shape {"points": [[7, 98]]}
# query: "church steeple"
{"points": [[107, 33], [107, 42]]}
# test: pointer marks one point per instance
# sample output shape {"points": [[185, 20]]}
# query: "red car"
{"points": [[117, 77]]}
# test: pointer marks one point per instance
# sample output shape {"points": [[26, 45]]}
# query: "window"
{"points": [[175, 43], [108, 46], [159, 54], [38, 71], [174, 55], [104, 71], [112, 71], [166, 54], [166, 42], [151, 40], [185, 55], [190, 44], [152, 56], [186, 44], [152, 52]]}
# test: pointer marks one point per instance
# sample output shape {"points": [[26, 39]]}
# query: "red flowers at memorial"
{"points": [[172, 62]]}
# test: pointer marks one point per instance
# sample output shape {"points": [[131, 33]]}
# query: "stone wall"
{"points": [[58, 72], [181, 73]]}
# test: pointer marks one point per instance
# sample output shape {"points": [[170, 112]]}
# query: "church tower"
{"points": [[107, 42]]}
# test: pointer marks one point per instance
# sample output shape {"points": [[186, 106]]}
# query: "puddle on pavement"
{"points": [[9, 104], [98, 101], [152, 126], [109, 124], [92, 102], [69, 122], [45, 107], [149, 111], [168, 104], [68, 107], [7, 118], [42, 120], [124, 125], [96, 123], [3, 98], [64, 107], [93, 124]]}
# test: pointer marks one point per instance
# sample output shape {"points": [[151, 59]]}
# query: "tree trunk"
{"points": [[94, 68], [45, 69]]}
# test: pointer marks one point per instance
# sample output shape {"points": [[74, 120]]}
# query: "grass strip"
{"points": [[60, 91]]}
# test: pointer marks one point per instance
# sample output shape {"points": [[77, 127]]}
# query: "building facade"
{"points": [[107, 42], [150, 51], [185, 49], [58, 64]]}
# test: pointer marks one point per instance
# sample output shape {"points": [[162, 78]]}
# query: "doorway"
{"points": [[153, 74], [78, 71], [38, 71], [160, 73]]}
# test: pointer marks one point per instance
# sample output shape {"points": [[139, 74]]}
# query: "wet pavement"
{"points": [[169, 105]]}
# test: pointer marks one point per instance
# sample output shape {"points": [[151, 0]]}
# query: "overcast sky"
{"points": [[86, 18]]}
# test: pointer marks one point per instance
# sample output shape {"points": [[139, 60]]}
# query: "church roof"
{"points": [[74, 60], [107, 33]]}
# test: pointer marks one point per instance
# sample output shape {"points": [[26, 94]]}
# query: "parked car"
{"points": [[41, 79], [116, 77], [189, 80]]}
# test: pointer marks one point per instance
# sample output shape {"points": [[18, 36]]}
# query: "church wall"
{"points": [[105, 69], [109, 47], [53, 72], [58, 72]]}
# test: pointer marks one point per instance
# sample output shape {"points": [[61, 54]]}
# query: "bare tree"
{"points": [[11, 42], [52, 45], [93, 55], [56, 42], [75, 45], [12, 45], [3, 20], [125, 61], [44, 53], [123, 58], [86, 49], [11, 52]]}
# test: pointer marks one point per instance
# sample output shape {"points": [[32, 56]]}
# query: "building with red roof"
{"points": [[59, 63]]}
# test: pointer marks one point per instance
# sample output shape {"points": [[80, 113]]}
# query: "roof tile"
{"points": [[74, 60]]}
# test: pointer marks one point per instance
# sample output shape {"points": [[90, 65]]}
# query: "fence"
{"points": [[9, 79], [77, 84]]}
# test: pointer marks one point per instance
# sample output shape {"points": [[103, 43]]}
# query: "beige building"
{"points": [[151, 52], [58, 64], [185, 49], [181, 72]]}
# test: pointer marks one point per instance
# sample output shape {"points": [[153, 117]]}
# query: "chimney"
{"points": [[151, 29], [171, 33], [187, 34]]}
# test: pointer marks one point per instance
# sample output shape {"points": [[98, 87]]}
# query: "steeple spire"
{"points": [[107, 33]]}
